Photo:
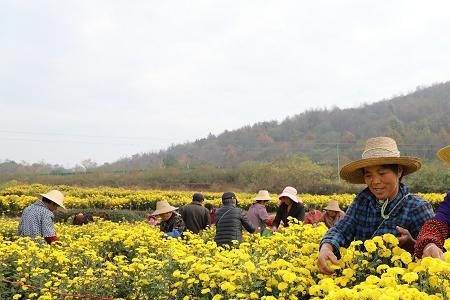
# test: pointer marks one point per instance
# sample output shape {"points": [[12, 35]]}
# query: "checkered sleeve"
{"points": [[48, 229], [418, 216], [343, 231]]}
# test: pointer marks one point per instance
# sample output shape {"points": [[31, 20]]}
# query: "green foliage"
{"points": [[432, 178], [305, 151]]}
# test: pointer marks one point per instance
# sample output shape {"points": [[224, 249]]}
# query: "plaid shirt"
{"points": [[37, 220], [364, 216]]}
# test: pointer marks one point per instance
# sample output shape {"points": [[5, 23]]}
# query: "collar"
{"points": [[41, 203], [374, 203]]}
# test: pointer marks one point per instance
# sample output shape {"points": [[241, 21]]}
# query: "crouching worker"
{"points": [[37, 219], [172, 224], [230, 221], [81, 219]]}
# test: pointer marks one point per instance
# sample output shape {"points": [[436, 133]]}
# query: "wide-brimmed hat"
{"points": [[444, 153], [54, 196], [263, 195], [291, 193], [379, 151], [163, 207], [333, 205]]}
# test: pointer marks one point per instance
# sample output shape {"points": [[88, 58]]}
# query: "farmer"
{"points": [[230, 220], [257, 212], [290, 206], [195, 216], [81, 219], [332, 214], [172, 224], [385, 206], [433, 233], [37, 219], [212, 212], [312, 216]]}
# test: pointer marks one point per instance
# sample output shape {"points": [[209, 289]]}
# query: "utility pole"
{"points": [[338, 164]]}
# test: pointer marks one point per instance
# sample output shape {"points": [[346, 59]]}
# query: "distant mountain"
{"points": [[419, 122]]}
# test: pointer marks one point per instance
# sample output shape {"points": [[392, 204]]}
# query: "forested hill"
{"points": [[420, 123]]}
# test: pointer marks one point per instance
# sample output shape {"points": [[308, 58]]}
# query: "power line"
{"points": [[68, 141], [89, 136]]}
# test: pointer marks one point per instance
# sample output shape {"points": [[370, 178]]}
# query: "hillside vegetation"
{"points": [[305, 150]]}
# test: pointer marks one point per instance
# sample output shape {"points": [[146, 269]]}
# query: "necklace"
{"points": [[383, 209]]}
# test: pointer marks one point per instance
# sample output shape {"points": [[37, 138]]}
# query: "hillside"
{"points": [[418, 121]]}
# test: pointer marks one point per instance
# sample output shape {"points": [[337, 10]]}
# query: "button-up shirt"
{"points": [[258, 216], [37, 220], [363, 218]]}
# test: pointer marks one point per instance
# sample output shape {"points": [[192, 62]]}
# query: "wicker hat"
{"points": [[163, 207], [291, 193], [379, 151], [444, 154], [263, 195], [54, 196], [333, 205]]}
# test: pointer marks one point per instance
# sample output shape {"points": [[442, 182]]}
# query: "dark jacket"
{"points": [[229, 223], [297, 211], [195, 216]]}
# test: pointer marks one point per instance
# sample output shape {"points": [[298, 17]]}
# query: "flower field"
{"points": [[14, 199], [133, 261], [106, 260]]}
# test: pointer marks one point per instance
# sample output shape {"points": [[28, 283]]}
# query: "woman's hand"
{"points": [[405, 240], [325, 254], [431, 250]]}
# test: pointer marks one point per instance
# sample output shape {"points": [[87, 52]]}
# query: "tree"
{"points": [[88, 164]]}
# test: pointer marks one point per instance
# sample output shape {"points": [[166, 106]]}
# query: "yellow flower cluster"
{"points": [[14, 199], [135, 261]]}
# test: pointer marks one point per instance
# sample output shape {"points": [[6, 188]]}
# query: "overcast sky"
{"points": [[108, 79]]}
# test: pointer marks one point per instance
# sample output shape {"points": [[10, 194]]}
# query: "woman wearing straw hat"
{"points": [[291, 206], [433, 233], [37, 219], [332, 214], [385, 206], [172, 223], [257, 212]]}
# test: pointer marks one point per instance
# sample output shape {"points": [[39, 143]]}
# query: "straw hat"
{"points": [[54, 196], [444, 154], [163, 207], [333, 205], [291, 193], [379, 151], [263, 195]]}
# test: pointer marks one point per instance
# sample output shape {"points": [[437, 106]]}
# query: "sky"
{"points": [[104, 80]]}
